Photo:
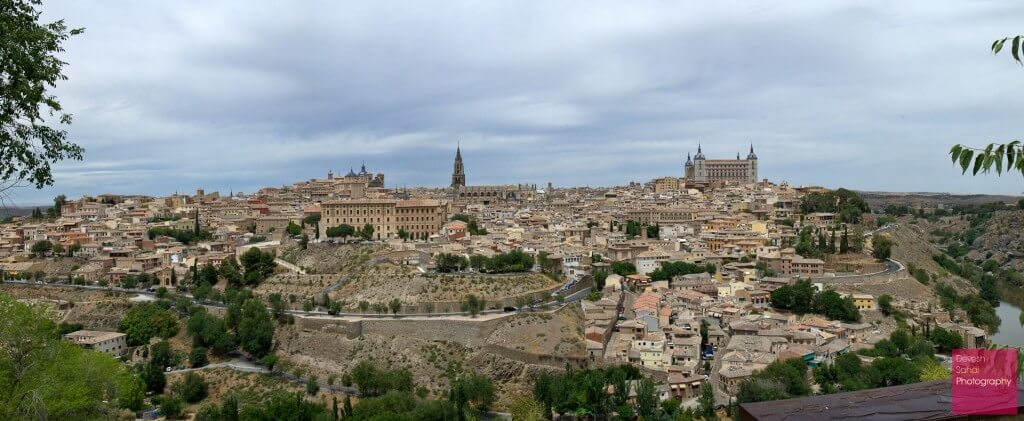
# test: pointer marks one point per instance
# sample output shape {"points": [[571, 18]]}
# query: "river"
{"points": [[1010, 331]]}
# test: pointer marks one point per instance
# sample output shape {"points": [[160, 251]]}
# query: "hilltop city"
{"points": [[712, 285]]}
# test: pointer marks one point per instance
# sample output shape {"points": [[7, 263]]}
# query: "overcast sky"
{"points": [[171, 96]]}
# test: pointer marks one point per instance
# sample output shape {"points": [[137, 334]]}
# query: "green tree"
{"points": [[647, 399], [192, 388], [403, 234], [344, 231], [526, 408], [623, 268], [63, 380], [170, 405], [472, 389], [146, 320], [367, 232], [881, 247], [844, 241], [703, 332], [600, 278], [153, 377], [42, 247], [293, 228], [312, 387], [885, 304], [395, 306], [446, 262], [31, 68], [945, 340], [478, 262], [707, 401], [197, 357], [472, 304], [257, 265], [255, 329]]}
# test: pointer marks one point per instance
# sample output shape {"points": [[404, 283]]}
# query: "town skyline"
{"points": [[471, 180]]}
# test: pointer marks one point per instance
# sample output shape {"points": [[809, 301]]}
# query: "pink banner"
{"points": [[985, 381]]}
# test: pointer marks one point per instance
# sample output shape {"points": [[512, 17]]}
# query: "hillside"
{"points": [[1002, 239]]}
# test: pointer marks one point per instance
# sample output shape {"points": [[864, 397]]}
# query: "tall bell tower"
{"points": [[458, 173]]}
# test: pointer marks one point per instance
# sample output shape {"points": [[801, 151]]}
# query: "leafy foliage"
{"points": [[996, 157], [446, 262], [44, 377], [374, 381], [192, 388], [671, 269], [211, 332], [29, 49], [473, 305], [343, 231], [146, 320], [623, 268], [255, 329], [183, 236], [881, 247], [258, 265], [801, 298], [586, 392], [846, 204]]}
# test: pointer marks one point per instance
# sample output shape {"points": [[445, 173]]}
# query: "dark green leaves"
{"points": [[993, 157], [28, 51], [1016, 47]]}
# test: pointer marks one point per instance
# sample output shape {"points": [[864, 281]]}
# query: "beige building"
{"points": [[112, 343], [419, 217], [703, 170]]}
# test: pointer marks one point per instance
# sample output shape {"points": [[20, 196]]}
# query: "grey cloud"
{"points": [[173, 96]]}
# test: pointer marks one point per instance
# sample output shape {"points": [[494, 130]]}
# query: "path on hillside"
{"points": [[288, 265], [549, 306]]}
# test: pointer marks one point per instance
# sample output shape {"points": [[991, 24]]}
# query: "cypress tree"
{"points": [[197, 223], [844, 242]]}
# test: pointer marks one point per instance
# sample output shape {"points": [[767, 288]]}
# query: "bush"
{"points": [[192, 388], [146, 320], [373, 381], [198, 357], [170, 406], [312, 387], [881, 247]]}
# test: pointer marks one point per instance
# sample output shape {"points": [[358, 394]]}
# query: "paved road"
{"points": [[237, 364], [884, 228], [349, 316]]}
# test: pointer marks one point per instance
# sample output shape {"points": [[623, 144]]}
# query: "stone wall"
{"points": [[465, 332], [868, 278], [351, 329]]}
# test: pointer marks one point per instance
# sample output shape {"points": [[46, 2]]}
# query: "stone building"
{"points": [[703, 170], [112, 343], [486, 195], [419, 217]]}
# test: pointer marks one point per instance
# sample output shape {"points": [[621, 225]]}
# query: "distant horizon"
{"points": [[192, 192]]}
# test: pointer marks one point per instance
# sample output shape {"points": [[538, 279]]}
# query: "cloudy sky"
{"points": [[171, 96]]}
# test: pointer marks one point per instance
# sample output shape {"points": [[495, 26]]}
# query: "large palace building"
{"points": [[703, 170]]}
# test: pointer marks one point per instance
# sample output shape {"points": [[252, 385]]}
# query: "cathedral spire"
{"points": [[458, 171]]}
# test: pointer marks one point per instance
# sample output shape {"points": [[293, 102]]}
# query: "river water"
{"points": [[1010, 331]]}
